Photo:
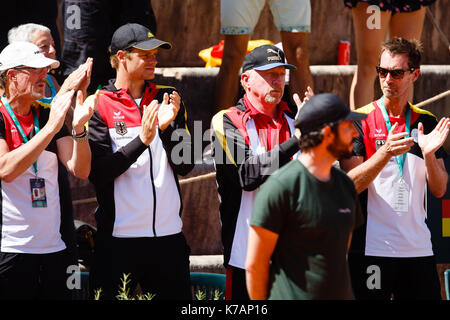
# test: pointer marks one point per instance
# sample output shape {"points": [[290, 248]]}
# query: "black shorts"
{"points": [[160, 265], [383, 278], [35, 276]]}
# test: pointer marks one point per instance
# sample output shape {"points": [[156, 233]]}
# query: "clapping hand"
{"points": [[308, 94], [168, 109], [79, 79], [429, 143], [149, 118], [83, 111], [60, 104], [397, 143]]}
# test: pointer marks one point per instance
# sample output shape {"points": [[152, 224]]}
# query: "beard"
{"points": [[390, 92], [271, 99], [339, 149], [37, 94]]}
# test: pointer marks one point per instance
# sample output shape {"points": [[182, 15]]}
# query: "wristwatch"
{"points": [[80, 137]]}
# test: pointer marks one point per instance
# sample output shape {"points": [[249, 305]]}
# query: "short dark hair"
{"points": [[314, 138], [412, 48]]}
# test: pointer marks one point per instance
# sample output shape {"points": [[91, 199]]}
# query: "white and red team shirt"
{"points": [[25, 229], [389, 233]]}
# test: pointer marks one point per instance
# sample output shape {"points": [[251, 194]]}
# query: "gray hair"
{"points": [[3, 76], [24, 32]]}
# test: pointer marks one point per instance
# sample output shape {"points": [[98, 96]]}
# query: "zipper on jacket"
{"points": [[151, 166], [154, 191]]}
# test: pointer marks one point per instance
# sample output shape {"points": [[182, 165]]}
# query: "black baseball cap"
{"points": [[265, 57], [136, 36], [322, 109]]}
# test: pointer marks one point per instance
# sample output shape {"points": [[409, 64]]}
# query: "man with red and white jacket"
{"points": [[134, 171], [250, 141], [397, 155]]}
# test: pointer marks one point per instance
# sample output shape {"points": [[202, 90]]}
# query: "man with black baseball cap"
{"points": [[265, 57], [304, 215], [133, 35], [250, 141], [238, 19], [134, 171]]}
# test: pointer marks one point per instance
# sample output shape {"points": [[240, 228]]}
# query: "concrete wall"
{"points": [[193, 25]]}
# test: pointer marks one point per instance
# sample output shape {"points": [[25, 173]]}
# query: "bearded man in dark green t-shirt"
{"points": [[304, 214]]}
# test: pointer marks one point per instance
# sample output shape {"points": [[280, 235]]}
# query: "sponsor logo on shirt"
{"points": [[118, 115], [379, 133], [346, 210]]}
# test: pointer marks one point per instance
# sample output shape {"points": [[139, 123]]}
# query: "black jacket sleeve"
{"points": [[253, 170], [359, 148], [106, 165], [257, 168]]}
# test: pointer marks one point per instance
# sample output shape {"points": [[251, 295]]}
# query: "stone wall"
{"points": [[193, 25]]}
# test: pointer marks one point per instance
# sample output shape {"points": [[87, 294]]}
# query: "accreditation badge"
{"points": [[401, 195], [38, 195]]}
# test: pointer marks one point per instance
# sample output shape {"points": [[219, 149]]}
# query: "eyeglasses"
{"points": [[33, 70], [395, 73]]}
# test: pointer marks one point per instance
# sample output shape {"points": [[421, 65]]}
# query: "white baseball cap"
{"points": [[23, 53]]}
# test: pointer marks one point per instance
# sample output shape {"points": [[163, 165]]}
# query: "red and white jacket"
{"points": [[137, 186]]}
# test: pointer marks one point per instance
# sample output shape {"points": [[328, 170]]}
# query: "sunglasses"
{"points": [[395, 73]]}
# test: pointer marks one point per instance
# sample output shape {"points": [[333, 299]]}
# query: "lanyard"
{"points": [[19, 127], [401, 158]]}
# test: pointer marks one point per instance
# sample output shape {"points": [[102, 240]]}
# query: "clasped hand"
{"points": [[162, 115]]}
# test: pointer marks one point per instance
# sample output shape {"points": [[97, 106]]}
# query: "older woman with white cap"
{"points": [[41, 36], [33, 257]]}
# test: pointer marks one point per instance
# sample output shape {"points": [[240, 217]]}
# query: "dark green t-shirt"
{"points": [[314, 220]]}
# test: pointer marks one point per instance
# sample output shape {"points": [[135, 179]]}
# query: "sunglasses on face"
{"points": [[395, 73]]}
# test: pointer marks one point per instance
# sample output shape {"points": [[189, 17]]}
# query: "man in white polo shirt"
{"points": [[33, 257]]}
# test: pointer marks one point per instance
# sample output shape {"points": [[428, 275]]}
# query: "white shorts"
{"points": [[241, 16]]}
